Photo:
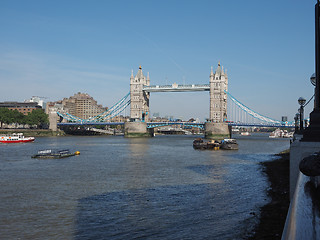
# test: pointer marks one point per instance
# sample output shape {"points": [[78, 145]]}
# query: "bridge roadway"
{"points": [[161, 124], [177, 88]]}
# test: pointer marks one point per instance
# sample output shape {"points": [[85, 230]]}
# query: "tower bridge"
{"points": [[140, 90], [223, 113]]}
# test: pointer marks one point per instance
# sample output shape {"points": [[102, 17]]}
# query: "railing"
{"points": [[304, 213]]}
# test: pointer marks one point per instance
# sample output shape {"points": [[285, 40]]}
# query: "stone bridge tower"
{"points": [[139, 106], [218, 97], [217, 128]]}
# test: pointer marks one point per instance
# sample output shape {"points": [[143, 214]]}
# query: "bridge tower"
{"points": [[217, 128], [218, 96], [139, 106]]}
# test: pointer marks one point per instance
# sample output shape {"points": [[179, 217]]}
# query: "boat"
{"points": [[15, 138], [278, 133], [200, 144], [229, 144], [49, 153], [245, 134]]}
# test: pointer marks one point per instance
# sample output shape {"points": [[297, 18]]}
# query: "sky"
{"points": [[54, 49]]}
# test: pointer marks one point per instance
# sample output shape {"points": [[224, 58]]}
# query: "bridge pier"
{"points": [[217, 131], [136, 129], [53, 119]]}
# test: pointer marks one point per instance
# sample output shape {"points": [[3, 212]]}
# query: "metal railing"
{"points": [[303, 219]]}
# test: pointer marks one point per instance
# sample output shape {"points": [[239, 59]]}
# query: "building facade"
{"points": [[218, 96], [38, 100], [139, 106], [82, 105], [23, 107]]}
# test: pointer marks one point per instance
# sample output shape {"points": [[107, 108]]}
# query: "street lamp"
{"points": [[312, 133], [301, 102], [296, 125]]}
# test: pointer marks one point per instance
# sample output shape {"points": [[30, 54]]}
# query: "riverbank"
{"points": [[33, 132], [273, 215]]}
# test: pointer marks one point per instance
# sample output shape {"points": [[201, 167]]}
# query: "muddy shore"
{"points": [[273, 214]]}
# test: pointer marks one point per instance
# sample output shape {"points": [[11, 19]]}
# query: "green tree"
{"points": [[37, 117], [4, 116], [8, 116], [17, 117]]}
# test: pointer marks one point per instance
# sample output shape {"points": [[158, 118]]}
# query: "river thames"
{"points": [[119, 188]]}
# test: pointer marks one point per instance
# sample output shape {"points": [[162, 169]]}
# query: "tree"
{"points": [[4, 116], [37, 117], [8, 116]]}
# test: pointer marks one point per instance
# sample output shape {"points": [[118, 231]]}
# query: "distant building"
{"points": [[81, 105], [22, 107], [156, 115], [36, 99]]}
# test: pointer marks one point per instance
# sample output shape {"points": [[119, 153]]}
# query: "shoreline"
{"points": [[273, 214], [33, 132]]}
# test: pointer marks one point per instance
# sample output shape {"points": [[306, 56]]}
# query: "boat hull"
{"points": [[17, 141], [53, 156], [202, 145], [231, 146]]}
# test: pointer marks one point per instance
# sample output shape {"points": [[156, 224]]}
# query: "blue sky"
{"points": [[57, 48]]}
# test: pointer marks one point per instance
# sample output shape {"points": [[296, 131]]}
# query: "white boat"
{"points": [[15, 138], [245, 134], [278, 133]]}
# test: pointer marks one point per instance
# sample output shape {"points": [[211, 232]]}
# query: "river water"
{"points": [[119, 188]]}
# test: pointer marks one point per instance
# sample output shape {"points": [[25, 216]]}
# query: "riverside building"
{"points": [[81, 105], [22, 107]]}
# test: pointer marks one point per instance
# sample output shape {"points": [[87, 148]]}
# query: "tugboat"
{"points": [[229, 144], [15, 138], [49, 153], [202, 145]]}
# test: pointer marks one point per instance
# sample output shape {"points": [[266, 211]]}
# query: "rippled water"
{"points": [[118, 188]]}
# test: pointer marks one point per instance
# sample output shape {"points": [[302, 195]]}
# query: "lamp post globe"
{"points": [[301, 101], [313, 79]]}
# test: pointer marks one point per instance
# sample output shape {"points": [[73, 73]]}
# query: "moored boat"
{"points": [[279, 133], [49, 153], [245, 134], [15, 138], [200, 144], [229, 144]]}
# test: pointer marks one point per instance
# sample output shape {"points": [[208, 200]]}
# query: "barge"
{"points": [[49, 153], [226, 144]]}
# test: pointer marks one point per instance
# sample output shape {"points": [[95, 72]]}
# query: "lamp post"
{"points": [[312, 133], [301, 102], [296, 125]]}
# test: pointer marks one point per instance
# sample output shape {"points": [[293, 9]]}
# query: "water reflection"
{"points": [[175, 212], [138, 146]]}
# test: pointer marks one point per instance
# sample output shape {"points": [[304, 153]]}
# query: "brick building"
{"points": [[22, 107]]}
